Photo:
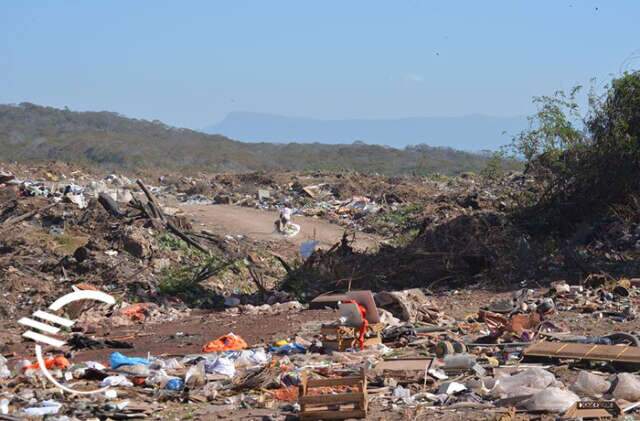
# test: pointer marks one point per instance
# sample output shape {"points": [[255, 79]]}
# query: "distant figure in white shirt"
{"points": [[285, 218]]}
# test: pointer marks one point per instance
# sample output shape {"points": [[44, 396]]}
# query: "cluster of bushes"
{"points": [[585, 164]]}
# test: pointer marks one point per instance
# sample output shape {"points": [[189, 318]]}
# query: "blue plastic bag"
{"points": [[117, 359], [291, 348], [174, 384]]}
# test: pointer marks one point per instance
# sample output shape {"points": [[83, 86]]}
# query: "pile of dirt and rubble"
{"points": [[102, 231], [461, 313], [355, 201]]}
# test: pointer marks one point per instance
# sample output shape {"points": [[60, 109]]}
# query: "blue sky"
{"points": [[188, 63]]}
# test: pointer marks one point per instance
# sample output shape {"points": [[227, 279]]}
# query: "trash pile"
{"points": [[353, 200], [408, 331], [388, 354], [110, 233]]}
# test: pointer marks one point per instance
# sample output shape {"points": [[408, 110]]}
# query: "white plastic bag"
{"points": [[48, 407], [195, 376], [118, 380], [252, 357], [552, 399], [222, 366], [628, 387], [590, 385], [528, 382]]}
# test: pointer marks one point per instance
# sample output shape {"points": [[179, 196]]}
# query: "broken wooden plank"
{"points": [[333, 415], [339, 381], [153, 204], [408, 364], [24, 216], [620, 353], [185, 237], [341, 398]]}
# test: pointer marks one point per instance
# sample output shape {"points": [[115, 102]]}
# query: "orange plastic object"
{"points": [[229, 342], [365, 322], [56, 362], [136, 311]]}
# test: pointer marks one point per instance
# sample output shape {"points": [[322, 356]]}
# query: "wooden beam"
{"points": [[333, 415], [340, 381], [354, 398]]}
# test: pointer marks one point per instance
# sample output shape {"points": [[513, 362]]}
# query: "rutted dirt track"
{"points": [[258, 225]]}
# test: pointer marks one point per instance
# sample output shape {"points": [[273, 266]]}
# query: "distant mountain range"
{"points": [[32, 132], [469, 133]]}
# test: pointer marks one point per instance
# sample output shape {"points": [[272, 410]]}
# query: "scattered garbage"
{"points": [[447, 347]]}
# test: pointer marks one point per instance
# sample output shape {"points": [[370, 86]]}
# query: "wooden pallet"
{"points": [[337, 406]]}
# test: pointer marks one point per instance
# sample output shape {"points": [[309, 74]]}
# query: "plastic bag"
{"points": [[401, 393], [627, 388], [288, 349], [252, 357], [552, 399], [117, 359], [58, 361], [48, 407], [229, 342], [307, 248], [158, 379], [529, 381], [462, 361], [590, 385], [222, 366], [172, 364], [137, 370], [196, 375], [4, 370], [118, 380], [174, 384]]}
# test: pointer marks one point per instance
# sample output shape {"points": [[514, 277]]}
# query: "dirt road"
{"points": [[258, 225]]}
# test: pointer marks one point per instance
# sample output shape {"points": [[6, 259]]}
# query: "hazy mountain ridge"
{"points": [[470, 133], [33, 132]]}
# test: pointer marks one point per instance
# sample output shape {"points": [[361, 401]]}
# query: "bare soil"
{"points": [[259, 225]]}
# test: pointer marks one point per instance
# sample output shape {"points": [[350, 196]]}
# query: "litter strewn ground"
{"points": [[442, 307]]}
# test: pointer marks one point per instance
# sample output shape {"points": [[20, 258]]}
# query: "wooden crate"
{"points": [[340, 337], [333, 406]]}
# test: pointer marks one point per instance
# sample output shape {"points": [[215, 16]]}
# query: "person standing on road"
{"points": [[285, 218]]}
